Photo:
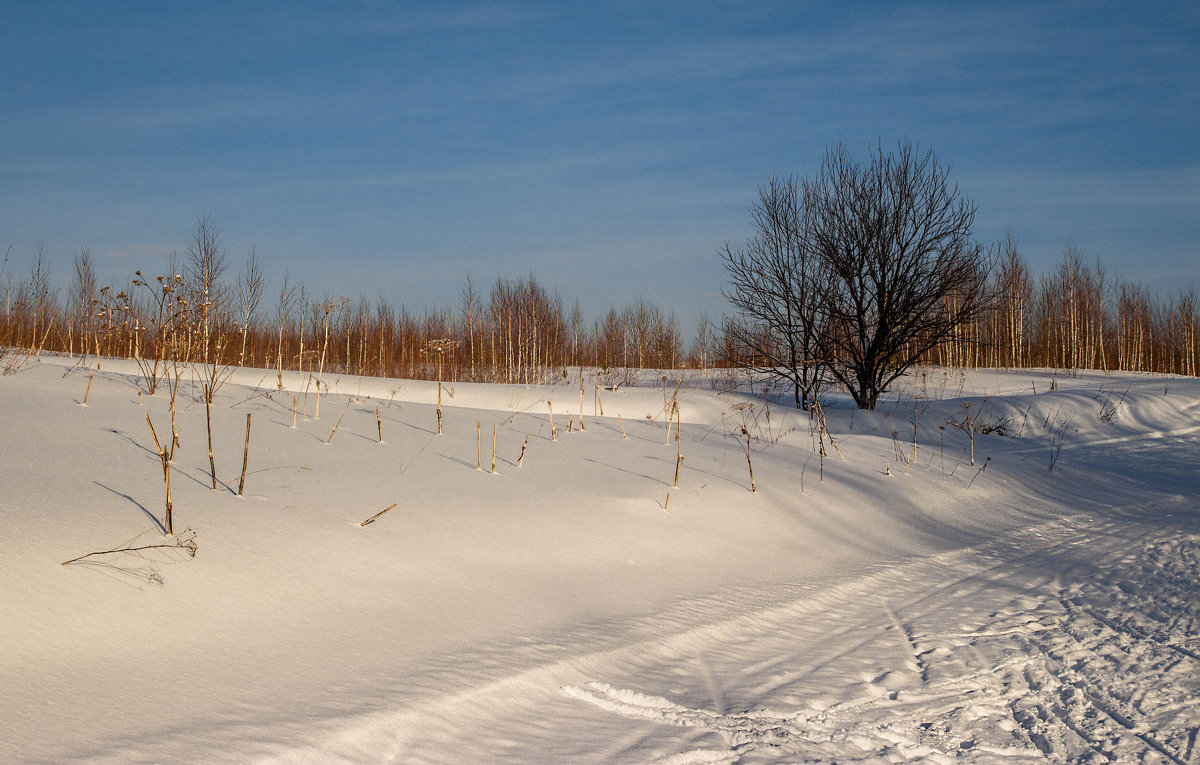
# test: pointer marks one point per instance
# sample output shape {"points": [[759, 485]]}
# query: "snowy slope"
{"points": [[558, 612]]}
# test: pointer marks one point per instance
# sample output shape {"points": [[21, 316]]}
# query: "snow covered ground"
{"points": [[566, 611]]}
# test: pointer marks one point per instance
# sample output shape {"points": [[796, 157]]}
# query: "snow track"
{"points": [[1074, 641]]}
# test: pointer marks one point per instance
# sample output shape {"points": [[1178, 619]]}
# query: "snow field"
{"points": [[558, 612]]}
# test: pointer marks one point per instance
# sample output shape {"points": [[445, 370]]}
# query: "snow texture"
{"points": [[861, 607]]}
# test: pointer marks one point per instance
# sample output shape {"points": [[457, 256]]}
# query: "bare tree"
{"points": [[249, 296], [206, 264], [779, 286], [42, 299], [471, 312], [700, 355], [1013, 290], [906, 272], [83, 296], [287, 297]]}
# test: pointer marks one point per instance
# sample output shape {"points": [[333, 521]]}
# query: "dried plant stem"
{"points": [[914, 457], [956, 464], [478, 447], [971, 436], [667, 501], [622, 422], [749, 464], [157, 446], [293, 410], [339, 422], [824, 429], [139, 395], [376, 515], [379, 424], [493, 447], [88, 390], [439, 407], [187, 545], [942, 448], [174, 430], [675, 393], [570, 422], [553, 431], [985, 464], [212, 465], [678, 464], [523, 446], [673, 412], [166, 463], [245, 456], [581, 427]]}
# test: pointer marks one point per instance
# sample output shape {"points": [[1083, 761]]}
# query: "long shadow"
{"points": [[623, 470], [462, 462], [175, 468], [131, 440], [417, 427], [638, 436], [139, 505]]}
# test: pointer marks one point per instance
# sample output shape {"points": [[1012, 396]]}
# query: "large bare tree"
{"points": [[906, 272]]}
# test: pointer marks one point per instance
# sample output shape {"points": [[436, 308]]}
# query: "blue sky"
{"points": [[393, 148]]}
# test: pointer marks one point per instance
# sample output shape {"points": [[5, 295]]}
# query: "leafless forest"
{"points": [[206, 308]]}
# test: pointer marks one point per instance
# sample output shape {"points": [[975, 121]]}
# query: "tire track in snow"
{"points": [[1061, 716], [813, 677], [426, 731]]}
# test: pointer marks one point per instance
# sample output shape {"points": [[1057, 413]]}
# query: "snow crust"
{"points": [[566, 610]]}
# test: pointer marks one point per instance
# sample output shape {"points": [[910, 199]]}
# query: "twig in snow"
{"points": [[339, 422], [376, 515], [985, 464], [185, 541]]}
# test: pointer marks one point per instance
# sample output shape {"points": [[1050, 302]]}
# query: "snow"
{"points": [[566, 610]]}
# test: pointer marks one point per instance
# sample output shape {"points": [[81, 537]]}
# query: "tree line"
{"points": [[202, 311], [986, 311]]}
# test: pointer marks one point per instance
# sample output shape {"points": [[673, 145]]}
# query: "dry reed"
{"points": [[245, 457], [377, 515]]}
